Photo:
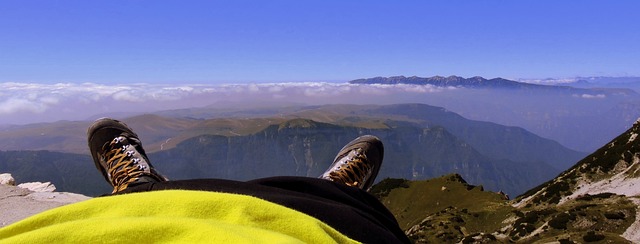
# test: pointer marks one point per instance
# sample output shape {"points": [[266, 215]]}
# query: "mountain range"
{"points": [[562, 111], [596, 200], [473, 82], [445, 178], [422, 142]]}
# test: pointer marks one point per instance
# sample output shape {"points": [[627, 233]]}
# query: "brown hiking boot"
{"points": [[357, 164], [118, 154]]}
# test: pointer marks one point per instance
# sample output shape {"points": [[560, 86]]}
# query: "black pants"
{"points": [[349, 210]]}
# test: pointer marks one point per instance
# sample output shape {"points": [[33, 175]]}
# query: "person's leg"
{"points": [[336, 199], [349, 210], [339, 198], [118, 154]]}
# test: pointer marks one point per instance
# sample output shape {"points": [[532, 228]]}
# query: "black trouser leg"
{"points": [[349, 210]]}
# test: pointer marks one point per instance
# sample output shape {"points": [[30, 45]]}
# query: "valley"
{"points": [[421, 142]]}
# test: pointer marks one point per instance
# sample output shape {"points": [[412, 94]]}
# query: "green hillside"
{"points": [[433, 196], [448, 210]]}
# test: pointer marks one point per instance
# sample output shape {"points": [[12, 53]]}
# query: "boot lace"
{"points": [[354, 171], [123, 165]]}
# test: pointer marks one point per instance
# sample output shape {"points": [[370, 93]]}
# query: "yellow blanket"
{"points": [[172, 216]]}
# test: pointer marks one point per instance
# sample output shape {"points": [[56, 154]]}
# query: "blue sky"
{"points": [[217, 42]]}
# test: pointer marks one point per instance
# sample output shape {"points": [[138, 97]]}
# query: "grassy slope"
{"points": [[446, 209], [432, 196]]}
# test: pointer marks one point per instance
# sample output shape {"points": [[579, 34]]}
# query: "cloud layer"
{"points": [[31, 102]]}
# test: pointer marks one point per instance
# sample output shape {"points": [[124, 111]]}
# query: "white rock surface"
{"points": [[38, 186], [7, 179], [633, 232]]}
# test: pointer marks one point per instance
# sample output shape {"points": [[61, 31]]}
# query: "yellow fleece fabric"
{"points": [[172, 216]]}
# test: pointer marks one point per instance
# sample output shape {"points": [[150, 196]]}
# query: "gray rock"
{"points": [[38, 186], [18, 203], [59, 197]]}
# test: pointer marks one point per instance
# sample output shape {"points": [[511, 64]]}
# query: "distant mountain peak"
{"points": [[612, 169], [302, 123], [298, 123], [456, 81]]}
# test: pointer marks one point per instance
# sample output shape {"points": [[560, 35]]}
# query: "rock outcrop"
{"points": [[26, 199], [7, 179]]}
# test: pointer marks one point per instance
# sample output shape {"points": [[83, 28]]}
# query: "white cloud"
{"points": [[49, 100], [79, 101], [253, 88], [589, 96], [13, 105], [127, 96], [549, 81]]}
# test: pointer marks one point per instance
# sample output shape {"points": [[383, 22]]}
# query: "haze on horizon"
{"points": [[25, 103]]}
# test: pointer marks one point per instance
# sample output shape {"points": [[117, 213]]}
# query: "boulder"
{"points": [[7, 179]]}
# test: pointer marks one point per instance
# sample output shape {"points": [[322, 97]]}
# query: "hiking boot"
{"points": [[357, 164], [118, 154]]}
